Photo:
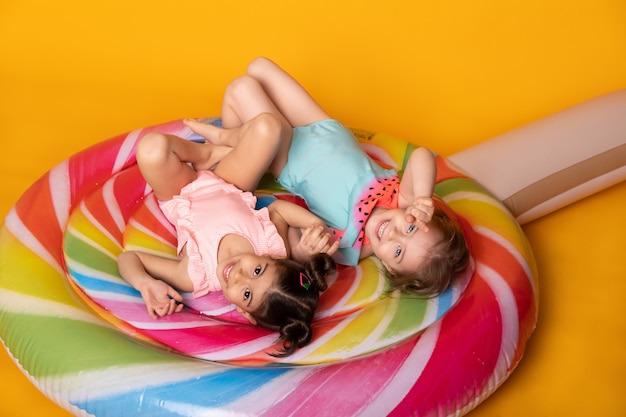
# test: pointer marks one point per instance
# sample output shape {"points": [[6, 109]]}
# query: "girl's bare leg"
{"points": [[163, 159], [266, 88], [258, 141], [289, 97], [244, 100]]}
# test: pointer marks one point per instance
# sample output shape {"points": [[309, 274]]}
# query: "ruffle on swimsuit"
{"points": [[380, 192]]}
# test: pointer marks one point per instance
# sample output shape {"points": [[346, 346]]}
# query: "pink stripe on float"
{"points": [[150, 220], [502, 261], [187, 331], [129, 188], [411, 371], [104, 204], [366, 377], [464, 359], [96, 161]]}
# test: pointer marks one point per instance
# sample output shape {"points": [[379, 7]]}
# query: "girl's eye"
{"points": [[257, 270], [411, 228], [246, 294], [398, 251]]}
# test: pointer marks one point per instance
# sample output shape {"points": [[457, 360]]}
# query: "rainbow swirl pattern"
{"points": [[79, 344]]}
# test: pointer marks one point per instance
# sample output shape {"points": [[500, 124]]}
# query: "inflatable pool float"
{"points": [[356, 316], [78, 332]]}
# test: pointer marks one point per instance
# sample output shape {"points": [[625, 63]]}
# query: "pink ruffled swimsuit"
{"points": [[206, 210]]}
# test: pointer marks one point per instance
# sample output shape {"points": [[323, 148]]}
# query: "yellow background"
{"points": [[445, 74]]}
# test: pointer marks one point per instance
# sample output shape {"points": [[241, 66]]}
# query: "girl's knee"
{"points": [[268, 127], [152, 149], [257, 65], [240, 88]]}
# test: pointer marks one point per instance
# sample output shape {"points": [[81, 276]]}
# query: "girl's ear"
{"points": [[246, 314]]}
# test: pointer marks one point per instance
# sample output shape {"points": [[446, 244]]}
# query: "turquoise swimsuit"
{"points": [[338, 181]]}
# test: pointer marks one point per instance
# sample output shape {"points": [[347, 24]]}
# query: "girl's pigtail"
{"points": [[317, 268], [290, 305], [295, 334]]}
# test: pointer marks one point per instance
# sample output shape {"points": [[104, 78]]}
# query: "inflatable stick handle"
{"points": [[555, 161]]}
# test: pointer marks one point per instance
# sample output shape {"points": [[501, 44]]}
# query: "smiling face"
{"points": [[400, 245], [245, 279]]}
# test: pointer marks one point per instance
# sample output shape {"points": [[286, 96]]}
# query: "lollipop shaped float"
{"points": [[83, 336]]}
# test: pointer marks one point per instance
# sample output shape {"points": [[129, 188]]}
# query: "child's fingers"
{"points": [[322, 243], [205, 130], [419, 218], [175, 295], [159, 310], [310, 236], [420, 212], [327, 245], [171, 307], [306, 234], [332, 249]]}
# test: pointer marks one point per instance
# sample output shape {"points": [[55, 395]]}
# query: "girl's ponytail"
{"points": [[289, 306], [317, 268]]}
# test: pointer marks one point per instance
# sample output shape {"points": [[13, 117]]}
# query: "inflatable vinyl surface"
{"points": [[446, 75]]}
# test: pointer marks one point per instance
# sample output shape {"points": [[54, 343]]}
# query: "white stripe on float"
{"points": [[59, 183], [242, 349], [262, 400], [506, 244], [18, 303], [510, 318], [126, 150], [407, 375], [113, 205]]}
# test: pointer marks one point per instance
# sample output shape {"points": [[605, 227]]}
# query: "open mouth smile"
{"points": [[381, 228], [227, 270]]}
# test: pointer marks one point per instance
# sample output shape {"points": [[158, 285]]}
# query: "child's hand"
{"points": [[161, 299], [420, 212], [318, 240], [314, 240]]}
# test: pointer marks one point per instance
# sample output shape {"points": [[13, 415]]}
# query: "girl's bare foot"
{"points": [[211, 133]]}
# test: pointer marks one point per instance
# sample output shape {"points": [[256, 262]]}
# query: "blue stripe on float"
{"points": [[444, 302], [89, 282], [206, 395]]}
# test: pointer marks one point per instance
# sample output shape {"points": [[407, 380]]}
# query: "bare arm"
{"points": [[419, 177], [416, 187], [155, 278], [303, 232], [295, 215]]}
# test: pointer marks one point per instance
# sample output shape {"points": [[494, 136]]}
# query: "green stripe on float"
{"points": [[82, 252], [48, 346], [409, 311], [459, 185]]}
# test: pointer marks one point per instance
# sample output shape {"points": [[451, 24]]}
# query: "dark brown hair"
{"points": [[290, 304]]}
